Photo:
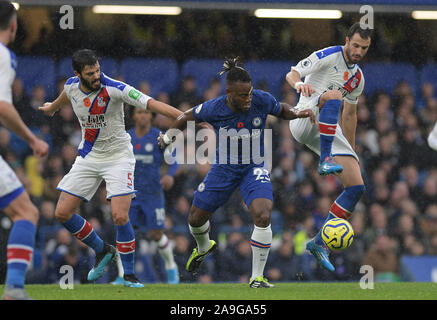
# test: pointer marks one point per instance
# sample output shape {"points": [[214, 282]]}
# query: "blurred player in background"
{"points": [[242, 108], [148, 208], [14, 200], [105, 153], [332, 77], [432, 138]]}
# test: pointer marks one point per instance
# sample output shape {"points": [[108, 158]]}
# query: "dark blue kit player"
{"points": [[239, 119]]}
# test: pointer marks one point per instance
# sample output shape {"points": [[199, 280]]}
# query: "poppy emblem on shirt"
{"points": [[240, 125], [87, 102], [346, 75], [137, 146]]}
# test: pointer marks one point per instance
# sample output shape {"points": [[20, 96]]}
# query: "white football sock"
{"points": [[120, 268], [201, 235], [165, 249], [260, 241]]}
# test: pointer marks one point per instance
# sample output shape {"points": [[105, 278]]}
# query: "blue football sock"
{"points": [[343, 206], [19, 252], [328, 119], [83, 231], [125, 238]]}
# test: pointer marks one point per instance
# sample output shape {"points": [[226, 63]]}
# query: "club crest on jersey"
{"points": [[101, 102], [148, 147], [256, 121]]}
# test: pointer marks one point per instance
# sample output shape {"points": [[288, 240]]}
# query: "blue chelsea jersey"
{"points": [[239, 136]]}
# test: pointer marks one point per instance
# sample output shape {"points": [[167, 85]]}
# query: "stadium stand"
{"points": [[385, 76], [34, 70], [162, 74], [294, 219]]}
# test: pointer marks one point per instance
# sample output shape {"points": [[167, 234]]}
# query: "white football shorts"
{"points": [[86, 175], [10, 185], [306, 133]]}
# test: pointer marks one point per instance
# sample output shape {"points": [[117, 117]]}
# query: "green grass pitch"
{"points": [[238, 291]]}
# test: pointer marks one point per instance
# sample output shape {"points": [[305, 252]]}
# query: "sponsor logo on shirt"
{"points": [[134, 94], [95, 121]]}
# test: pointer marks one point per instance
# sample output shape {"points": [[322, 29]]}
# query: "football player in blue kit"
{"points": [[148, 208], [239, 115]]}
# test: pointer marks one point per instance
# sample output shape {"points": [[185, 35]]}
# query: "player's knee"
{"points": [[120, 219], [197, 218], [261, 216], [61, 215], [156, 235], [333, 95], [30, 213], [330, 95]]}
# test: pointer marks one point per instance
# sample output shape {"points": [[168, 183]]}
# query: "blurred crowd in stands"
{"points": [[216, 34], [396, 217]]}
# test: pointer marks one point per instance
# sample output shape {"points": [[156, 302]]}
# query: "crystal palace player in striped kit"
{"points": [[332, 76], [148, 208], [239, 116], [14, 200], [105, 153]]}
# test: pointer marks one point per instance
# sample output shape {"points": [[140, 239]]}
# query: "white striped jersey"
{"points": [[8, 65], [327, 69], [101, 116]]}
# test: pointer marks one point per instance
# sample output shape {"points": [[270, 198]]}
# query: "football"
{"points": [[337, 234]]}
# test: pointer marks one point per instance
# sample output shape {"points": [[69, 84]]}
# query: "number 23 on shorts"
{"points": [[261, 174]]}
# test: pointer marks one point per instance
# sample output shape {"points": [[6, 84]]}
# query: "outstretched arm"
{"points": [[50, 108], [10, 118], [287, 112], [163, 108]]}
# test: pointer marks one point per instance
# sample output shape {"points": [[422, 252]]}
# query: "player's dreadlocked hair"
{"points": [[235, 71]]}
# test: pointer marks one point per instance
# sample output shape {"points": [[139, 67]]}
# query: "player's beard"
{"points": [[235, 105], [350, 59], [89, 85]]}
